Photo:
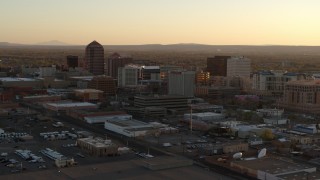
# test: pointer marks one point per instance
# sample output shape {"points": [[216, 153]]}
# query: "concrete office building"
{"points": [[94, 58], [116, 61], [202, 78], [128, 76], [150, 73], [103, 83], [229, 66], [176, 103], [182, 83], [303, 96], [47, 71], [271, 83]]}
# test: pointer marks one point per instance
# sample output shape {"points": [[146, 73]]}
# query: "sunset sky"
{"points": [[112, 22]]}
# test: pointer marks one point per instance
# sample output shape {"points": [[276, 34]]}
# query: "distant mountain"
{"points": [[53, 43], [10, 44]]}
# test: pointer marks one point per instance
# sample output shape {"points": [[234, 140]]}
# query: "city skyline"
{"points": [[125, 22]]}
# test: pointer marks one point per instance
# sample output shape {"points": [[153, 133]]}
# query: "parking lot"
{"points": [[65, 146]]}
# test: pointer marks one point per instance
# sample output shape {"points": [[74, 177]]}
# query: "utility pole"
{"points": [[191, 119]]}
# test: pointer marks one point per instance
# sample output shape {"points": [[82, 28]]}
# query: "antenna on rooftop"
{"points": [[262, 153], [237, 155]]}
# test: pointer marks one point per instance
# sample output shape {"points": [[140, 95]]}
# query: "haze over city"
{"points": [[160, 89], [121, 22]]}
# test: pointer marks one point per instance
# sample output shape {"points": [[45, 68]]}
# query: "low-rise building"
{"points": [[205, 116], [104, 118], [89, 95], [98, 146], [64, 106], [271, 168], [233, 147], [129, 128]]}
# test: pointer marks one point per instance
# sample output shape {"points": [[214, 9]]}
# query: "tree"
{"points": [[267, 135]]}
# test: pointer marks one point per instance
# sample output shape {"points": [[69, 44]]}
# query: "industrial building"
{"points": [[98, 146], [205, 116], [170, 102], [20, 82], [271, 168], [129, 128], [104, 118], [42, 98], [64, 106]]}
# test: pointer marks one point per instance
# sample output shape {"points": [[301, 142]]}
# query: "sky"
{"points": [[122, 22]]}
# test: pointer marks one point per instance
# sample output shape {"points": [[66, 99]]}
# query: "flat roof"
{"points": [[16, 79], [40, 96], [88, 91], [101, 143], [87, 78], [71, 104], [273, 165], [161, 97], [305, 82], [107, 117], [129, 169], [129, 123], [205, 114]]}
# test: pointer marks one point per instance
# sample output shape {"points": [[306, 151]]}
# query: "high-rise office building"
{"points": [[114, 62], [128, 76], [150, 73], [182, 83], [72, 61], [94, 57], [229, 66]]}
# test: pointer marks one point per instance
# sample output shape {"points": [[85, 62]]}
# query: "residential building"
{"points": [[94, 58]]}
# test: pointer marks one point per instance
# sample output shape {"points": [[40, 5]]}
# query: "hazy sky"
{"points": [[251, 22]]}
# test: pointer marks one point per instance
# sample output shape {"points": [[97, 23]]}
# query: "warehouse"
{"points": [[206, 116], [104, 118], [64, 106], [129, 128]]}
